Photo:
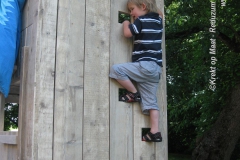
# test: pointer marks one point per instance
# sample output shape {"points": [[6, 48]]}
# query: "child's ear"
{"points": [[144, 7]]}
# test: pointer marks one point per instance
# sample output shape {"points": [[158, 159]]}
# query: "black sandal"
{"points": [[130, 97], [149, 137]]}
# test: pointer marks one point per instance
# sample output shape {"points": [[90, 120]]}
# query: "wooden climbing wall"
{"points": [[69, 107]]}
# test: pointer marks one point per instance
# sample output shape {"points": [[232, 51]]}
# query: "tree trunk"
{"points": [[219, 142]]}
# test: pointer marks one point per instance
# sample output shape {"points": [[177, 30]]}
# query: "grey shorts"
{"points": [[146, 74]]}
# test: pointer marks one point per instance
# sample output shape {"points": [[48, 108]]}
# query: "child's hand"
{"points": [[127, 18], [126, 22], [126, 31]]}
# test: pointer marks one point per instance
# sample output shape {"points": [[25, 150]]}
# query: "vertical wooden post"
{"points": [[68, 112], [38, 95], [2, 146], [44, 80], [2, 104], [96, 81], [162, 148], [121, 114], [23, 110]]}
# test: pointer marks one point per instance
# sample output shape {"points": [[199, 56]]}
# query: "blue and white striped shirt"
{"points": [[147, 30]]}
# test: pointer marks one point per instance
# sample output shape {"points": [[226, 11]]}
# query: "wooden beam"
{"points": [[14, 89], [162, 148], [12, 99], [96, 80], [43, 78], [8, 145], [2, 105], [24, 112], [13, 96], [68, 112], [37, 98], [15, 81], [8, 137], [121, 114]]}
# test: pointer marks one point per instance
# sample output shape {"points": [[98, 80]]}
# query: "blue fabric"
{"points": [[10, 31]]}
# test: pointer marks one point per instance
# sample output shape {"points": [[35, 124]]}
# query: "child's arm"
{"points": [[126, 31]]}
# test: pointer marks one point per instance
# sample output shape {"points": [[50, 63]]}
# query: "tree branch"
{"points": [[232, 44], [184, 34]]}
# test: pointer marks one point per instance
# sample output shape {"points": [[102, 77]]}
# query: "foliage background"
{"points": [[192, 106], [11, 116]]}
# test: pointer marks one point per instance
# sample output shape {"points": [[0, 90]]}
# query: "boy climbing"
{"points": [[146, 66]]}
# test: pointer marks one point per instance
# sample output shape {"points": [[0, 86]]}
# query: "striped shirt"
{"points": [[147, 31]]}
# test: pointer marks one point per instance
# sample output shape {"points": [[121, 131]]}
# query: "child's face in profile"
{"points": [[136, 11]]}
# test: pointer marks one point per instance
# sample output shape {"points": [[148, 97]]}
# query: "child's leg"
{"points": [[123, 73], [154, 135], [132, 95], [150, 105], [128, 85], [154, 120]]}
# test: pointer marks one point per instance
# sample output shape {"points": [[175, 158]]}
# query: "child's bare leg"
{"points": [[154, 117], [128, 85], [154, 120]]}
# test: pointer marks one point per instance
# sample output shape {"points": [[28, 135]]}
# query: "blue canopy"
{"points": [[10, 31]]}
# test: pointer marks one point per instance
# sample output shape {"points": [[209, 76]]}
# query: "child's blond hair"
{"points": [[151, 5]]}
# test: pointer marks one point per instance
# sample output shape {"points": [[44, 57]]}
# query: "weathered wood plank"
{"points": [[68, 113], [37, 121], [121, 120], [25, 17], [8, 147], [162, 148], [45, 73], [12, 98], [33, 10], [2, 104], [8, 152], [96, 81], [25, 115], [142, 150], [8, 137], [29, 23], [11, 152]]}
